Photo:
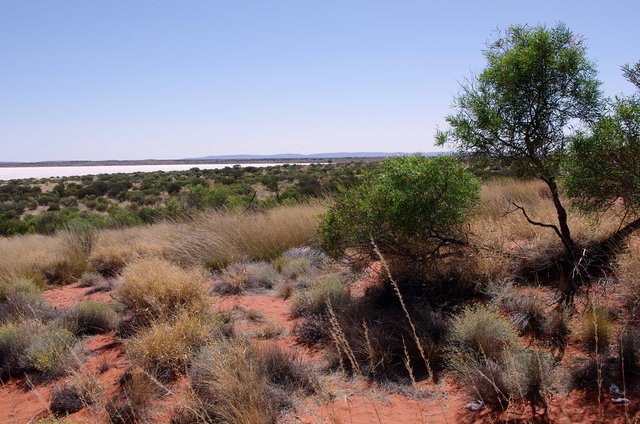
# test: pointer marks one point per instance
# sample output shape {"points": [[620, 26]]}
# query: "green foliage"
{"points": [[604, 165], [155, 196], [537, 82], [413, 207]]}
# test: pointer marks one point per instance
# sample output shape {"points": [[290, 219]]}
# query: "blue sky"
{"points": [[173, 79]]}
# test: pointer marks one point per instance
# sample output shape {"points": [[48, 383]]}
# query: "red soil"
{"points": [[67, 296], [20, 401], [352, 401]]}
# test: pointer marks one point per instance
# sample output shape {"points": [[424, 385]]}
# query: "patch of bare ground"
{"points": [[69, 295]]}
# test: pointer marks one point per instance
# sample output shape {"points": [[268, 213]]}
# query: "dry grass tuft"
{"points": [[314, 300], [235, 382], [597, 327], [166, 348], [155, 289], [26, 256], [482, 330], [228, 234]]}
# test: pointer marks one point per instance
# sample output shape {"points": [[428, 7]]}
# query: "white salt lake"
{"points": [[14, 173]]}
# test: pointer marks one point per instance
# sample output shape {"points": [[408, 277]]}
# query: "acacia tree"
{"points": [[603, 167], [538, 84]]}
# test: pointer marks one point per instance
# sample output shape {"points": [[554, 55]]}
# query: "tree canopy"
{"points": [[538, 84], [603, 167]]}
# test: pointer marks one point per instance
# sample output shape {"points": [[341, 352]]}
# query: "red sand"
{"points": [[353, 401], [67, 296]]}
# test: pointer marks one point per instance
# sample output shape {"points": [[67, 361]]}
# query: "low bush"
{"points": [[260, 275], [90, 279], [313, 330], [22, 306], [284, 289], [46, 354], [527, 310], [64, 271], [628, 272], [122, 413], [234, 280], [18, 286], [371, 336], [15, 339], [65, 400], [630, 352], [485, 379], [556, 329], [482, 331], [90, 317], [88, 387], [237, 383], [165, 349], [139, 389], [155, 289], [316, 257], [314, 299], [293, 267]]}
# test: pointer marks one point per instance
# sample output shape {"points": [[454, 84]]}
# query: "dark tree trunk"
{"points": [[565, 232]]}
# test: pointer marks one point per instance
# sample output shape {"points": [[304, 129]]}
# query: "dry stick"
{"points": [[404, 308], [342, 339], [598, 368], [407, 362], [369, 347]]}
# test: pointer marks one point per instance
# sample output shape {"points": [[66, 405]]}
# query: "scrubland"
{"points": [[236, 316]]}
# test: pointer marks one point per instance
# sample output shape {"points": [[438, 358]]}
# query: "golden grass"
{"points": [[116, 248], [166, 348], [628, 272], [28, 255], [227, 234], [153, 288], [498, 229]]}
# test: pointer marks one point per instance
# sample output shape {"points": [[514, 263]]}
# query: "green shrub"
{"points": [[21, 286], [315, 298], [413, 209]]}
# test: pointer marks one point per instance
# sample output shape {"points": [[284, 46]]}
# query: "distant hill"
{"points": [[336, 155]]}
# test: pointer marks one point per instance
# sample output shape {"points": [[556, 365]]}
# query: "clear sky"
{"points": [[173, 79]]}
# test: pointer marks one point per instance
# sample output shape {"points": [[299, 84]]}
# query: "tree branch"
{"points": [[539, 224]]}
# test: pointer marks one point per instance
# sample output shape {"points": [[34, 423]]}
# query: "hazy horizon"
{"points": [[162, 80]]}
